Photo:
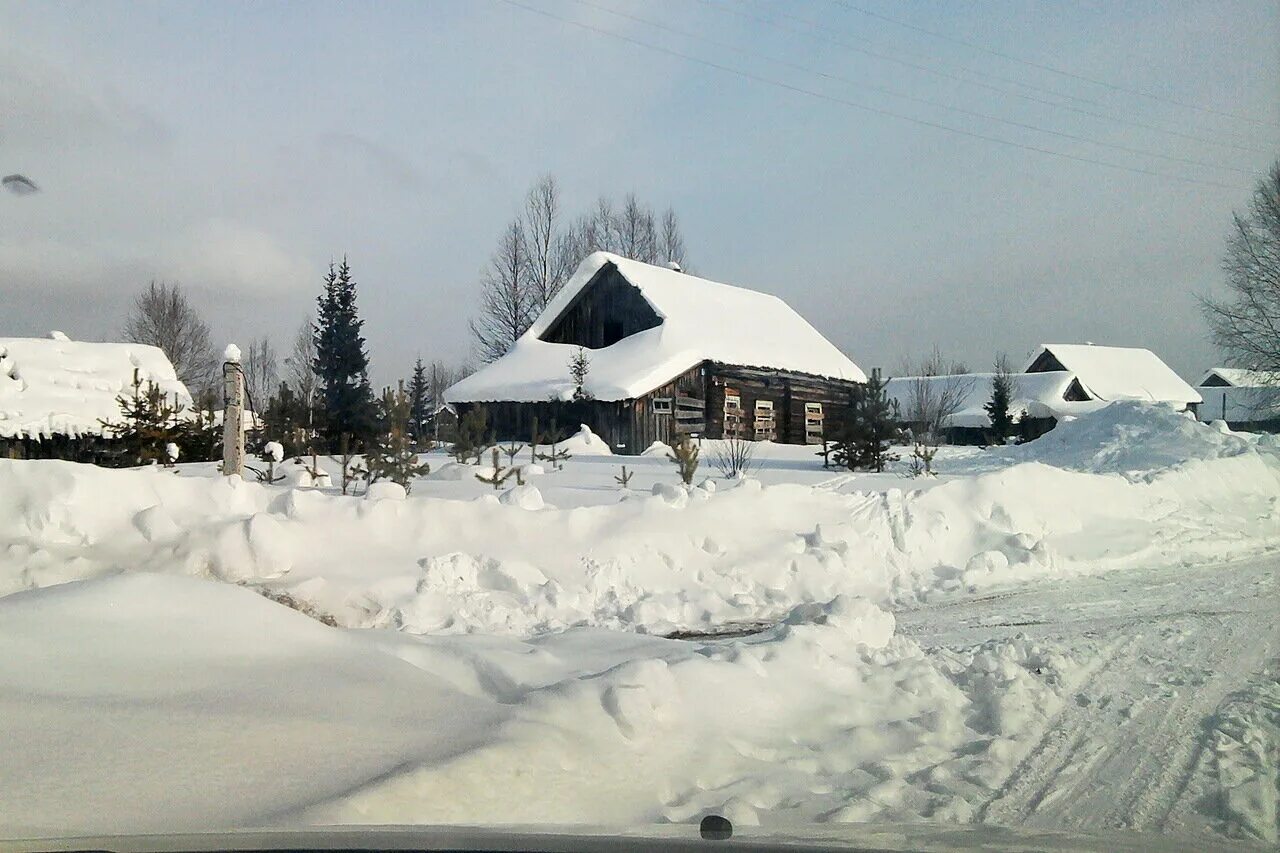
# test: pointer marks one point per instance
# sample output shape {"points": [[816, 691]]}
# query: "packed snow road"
{"points": [[1168, 718]]}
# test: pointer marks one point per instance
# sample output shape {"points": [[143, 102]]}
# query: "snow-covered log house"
{"points": [[669, 355]]}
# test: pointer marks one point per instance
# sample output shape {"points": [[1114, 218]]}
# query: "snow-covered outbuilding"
{"points": [[669, 354], [55, 392], [1116, 373], [1245, 399], [1039, 401]]}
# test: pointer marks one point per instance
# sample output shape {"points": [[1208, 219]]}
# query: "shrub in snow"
{"points": [[734, 456], [349, 469], [685, 456]]}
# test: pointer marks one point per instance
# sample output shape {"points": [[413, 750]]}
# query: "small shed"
{"points": [[669, 355], [55, 392], [1245, 399]]}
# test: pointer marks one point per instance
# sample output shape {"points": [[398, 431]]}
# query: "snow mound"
{"points": [[586, 443], [1128, 437], [385, 490], [525, 497]]}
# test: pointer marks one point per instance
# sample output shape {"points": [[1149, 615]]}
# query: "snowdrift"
{"points": [[677, 559]]}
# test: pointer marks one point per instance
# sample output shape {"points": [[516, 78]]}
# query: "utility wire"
{"points": [[813, 32], [1115, 87], [916, 99], [747, 75]]}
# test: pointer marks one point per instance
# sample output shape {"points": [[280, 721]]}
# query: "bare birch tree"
{"points": [[261, 373], [163, 317], [301, 363], [1246, 323], [506, 309], [937, 392]]}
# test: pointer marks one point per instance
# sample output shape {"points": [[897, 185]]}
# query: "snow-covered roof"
{"points": [[1242, 378], [701, 321], [56, 386], [1037, 395], [1120, 373]]}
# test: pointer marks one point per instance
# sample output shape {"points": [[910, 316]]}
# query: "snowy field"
{"points": [[1080, 632]]}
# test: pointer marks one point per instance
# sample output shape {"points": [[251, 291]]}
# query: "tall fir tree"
{"points": [[342, 364], [419, 402]]}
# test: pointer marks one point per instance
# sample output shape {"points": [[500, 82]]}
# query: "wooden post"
{"points": [[232, 414]]}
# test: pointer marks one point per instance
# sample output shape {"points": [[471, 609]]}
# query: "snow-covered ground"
{"points": [[1078, 632]]}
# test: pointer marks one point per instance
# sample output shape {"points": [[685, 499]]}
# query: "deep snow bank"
{"points": [[146, 703], [676, 559]]}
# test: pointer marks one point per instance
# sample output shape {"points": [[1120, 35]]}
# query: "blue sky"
{"points": [[236, 148]]}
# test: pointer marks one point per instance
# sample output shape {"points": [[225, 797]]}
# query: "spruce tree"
{"points": [[419, 403], [869, 428], [998, 407], [342, 364], [149, 424]]}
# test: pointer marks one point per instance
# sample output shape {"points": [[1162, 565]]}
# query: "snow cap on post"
{"points": [[231, 354]]}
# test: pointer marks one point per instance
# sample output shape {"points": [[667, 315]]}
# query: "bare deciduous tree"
{"points": [[163, 317], [537, 253], [301, 363], [1246, 324], [671, 240], [546, 261], [506, 309], [261, 373], [936, 393]]}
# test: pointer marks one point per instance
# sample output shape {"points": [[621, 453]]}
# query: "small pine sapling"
{"points": [[558, 455], [393, 456], [472, 430], [922, 453], [500, 475], [685, 455], [579, 366], [510, 452], [272, 453], [624, 479], [346, 458], [149, 423], [534, 438]]}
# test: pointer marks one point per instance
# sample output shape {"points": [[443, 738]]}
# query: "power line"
{"points": [[914, 98], [1115, 87], [747, 75], [813, 33]]}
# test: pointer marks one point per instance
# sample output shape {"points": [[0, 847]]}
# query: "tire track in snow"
{"points": [[1127, 750]]}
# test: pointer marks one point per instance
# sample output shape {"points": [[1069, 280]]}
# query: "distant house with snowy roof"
{"points": [[1116, 373], [670, 355], [1059, 381], [1245, 399], [55, 392]]}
